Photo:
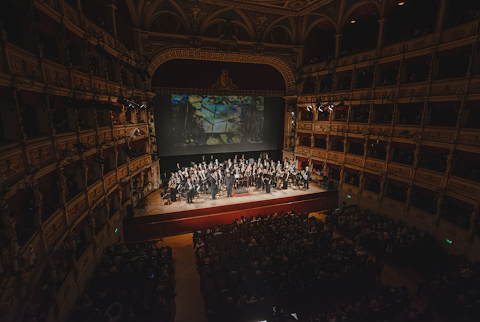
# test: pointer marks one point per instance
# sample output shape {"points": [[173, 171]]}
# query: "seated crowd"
{"points": [[257, 259], [132, 283], [454, 290], [385, 304]]}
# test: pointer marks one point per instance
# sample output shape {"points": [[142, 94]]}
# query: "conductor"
{"points": [[189, 187], [213, 182], [229, 181]]}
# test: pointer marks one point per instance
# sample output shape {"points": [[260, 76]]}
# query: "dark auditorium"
{"points": [[240, 161]]}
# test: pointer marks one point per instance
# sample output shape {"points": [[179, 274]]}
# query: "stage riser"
{"points": [[222, 209], [153, 230]]}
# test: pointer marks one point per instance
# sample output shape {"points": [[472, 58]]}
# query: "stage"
{"points": [[157, 220]]}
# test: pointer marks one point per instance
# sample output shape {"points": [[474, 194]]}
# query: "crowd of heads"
{"points": [[132, 283]]}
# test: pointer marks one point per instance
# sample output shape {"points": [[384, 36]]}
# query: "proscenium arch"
{"points": [[278, 63]]}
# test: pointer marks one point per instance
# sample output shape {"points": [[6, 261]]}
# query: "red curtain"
{"points": [[30, 98], [397, 183], [356, 140], [458, 203], [435, 150], [70, 168], [45, 181], [317, 162], [342, 108], [372, 176], [320, 136], [138, 144], [352, 171], [76, 39], [425, 191], [474, 104], [390, 65], [333, 166], [303, 135], [456, 51], [333, 137], [107, 152], [404, 146], [302, 159], [469, 156], [444, 105], [419, 59]]}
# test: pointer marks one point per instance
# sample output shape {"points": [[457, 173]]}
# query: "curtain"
{"points": [[420, 59], [397, 183], [30, 98], [47, 180], [356, 140], [333, 137], [333, 166], [70, 168], [390, 65], [107, 152], [302, 159], [317, 162], [455, 51], [320, 136], [74, 38], [458, 203], [444, 105], [342, 108], [474, 104], [352, 171], [372, 176], [46, 25], [435, 150], [424, 191], [303, 135], [79, 227], [469, 156], [405, 146]]}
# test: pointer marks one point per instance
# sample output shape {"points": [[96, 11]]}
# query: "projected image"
{"points": [[217, 120]]}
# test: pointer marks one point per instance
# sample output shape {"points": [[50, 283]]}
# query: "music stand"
{"points": [[241, 194]]}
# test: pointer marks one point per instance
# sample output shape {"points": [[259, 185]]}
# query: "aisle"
{"points": [[189, 300]]}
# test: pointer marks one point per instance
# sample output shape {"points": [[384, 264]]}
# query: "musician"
{"points": [[178, 167], [172, 185], [229, 164], [267, 180], [213, 183], [189, 188], [220, 180], [203, 160], [306, 177], [286, 175], [229, 182]]}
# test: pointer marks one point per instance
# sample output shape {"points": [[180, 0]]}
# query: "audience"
{"points": [[132, 283]]}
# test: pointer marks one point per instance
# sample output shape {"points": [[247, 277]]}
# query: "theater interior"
{"points": [[363, 117]]}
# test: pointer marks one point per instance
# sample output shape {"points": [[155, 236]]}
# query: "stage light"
{"points": [[309, 108], [401, 3], [353, 21], [449, 241], [116, 230]]}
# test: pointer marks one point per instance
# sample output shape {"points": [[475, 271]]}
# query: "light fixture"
{"points": [[353, 21], [401, 3]]}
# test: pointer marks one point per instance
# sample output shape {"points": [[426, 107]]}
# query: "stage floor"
{"points": [[155, 204]]}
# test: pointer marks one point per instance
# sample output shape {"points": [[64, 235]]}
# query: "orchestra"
{"points": [[209, 178]]}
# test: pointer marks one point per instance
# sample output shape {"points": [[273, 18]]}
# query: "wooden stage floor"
{"points": [[155, 204]]}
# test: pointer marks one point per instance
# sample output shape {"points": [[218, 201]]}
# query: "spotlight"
{"points": [[401, 3], [353, 21], [309, 108], [293, 113]]}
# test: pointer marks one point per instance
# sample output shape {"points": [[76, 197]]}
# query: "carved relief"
{"points": [[10, 167]]}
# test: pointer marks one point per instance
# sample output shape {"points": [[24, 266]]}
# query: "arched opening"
{"points": [[360, 31], [320, 42], [421, 17]]}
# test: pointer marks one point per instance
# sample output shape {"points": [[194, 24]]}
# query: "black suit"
{"points": [[229, 182], [189, 187], [213, 182]]}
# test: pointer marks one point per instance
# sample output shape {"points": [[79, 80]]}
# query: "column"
{"points": [[338, 45], [382, 28], [110, 24], [442, 14]]}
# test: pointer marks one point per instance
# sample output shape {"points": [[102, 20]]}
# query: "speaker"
{"points": [[129, 210], [330, 185]]}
